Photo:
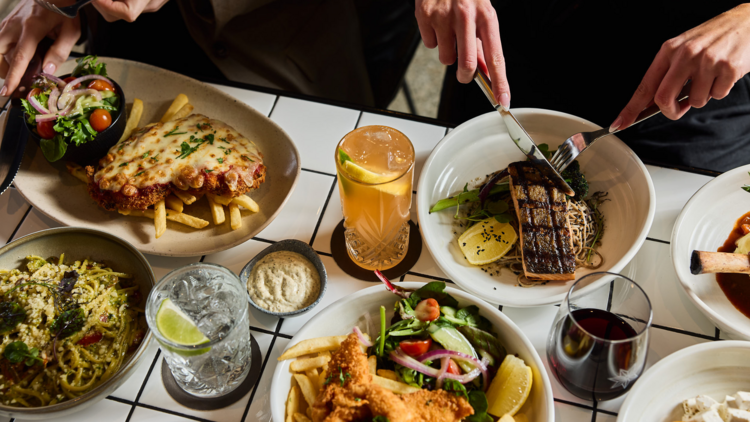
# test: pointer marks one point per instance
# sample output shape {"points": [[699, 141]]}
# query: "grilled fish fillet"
{"points": [[546, 240], [195, 154]]}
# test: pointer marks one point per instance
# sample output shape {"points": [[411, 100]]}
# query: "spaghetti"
{"points": [[76, 327]]}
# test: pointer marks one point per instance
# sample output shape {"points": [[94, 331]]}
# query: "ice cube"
{"points": [[180, 291], [215, 324]]}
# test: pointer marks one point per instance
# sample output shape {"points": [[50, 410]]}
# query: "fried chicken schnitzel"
{"points": [[194, 154], [351, 396]]}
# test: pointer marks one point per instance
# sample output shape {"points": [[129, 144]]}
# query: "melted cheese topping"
{"points": [[181, 152]]}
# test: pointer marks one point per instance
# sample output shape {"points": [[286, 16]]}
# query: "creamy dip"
{"points": [[284, 281]]}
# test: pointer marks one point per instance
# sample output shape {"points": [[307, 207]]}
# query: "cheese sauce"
{"points": [[284, 281], [181, 152]]}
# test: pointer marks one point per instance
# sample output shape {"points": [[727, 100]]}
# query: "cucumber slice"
{"points": [[451, 339]]}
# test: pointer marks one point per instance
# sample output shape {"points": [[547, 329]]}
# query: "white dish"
{"points": [[341, 316], [704, 224], [482, 146], [715, 369]]}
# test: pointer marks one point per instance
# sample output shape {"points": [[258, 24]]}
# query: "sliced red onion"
{"points": [[362, 338], [78, 92], [37, 105], [485, 192], [61, 83], [400, 291], [444, 363], [64, 98], [52, 102], [442, 353], [66, 110], [45, 117]]}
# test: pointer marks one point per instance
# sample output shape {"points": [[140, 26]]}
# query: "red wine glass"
{"points": [[598, 343]]}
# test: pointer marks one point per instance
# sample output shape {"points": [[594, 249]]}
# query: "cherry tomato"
{"points": [[46, 129], [100, 119], [104, 317], [90, 338], [415, 347], [70, 78], [453, 368], [32, 93], [427, 310], [100, 85], [745, 228]]}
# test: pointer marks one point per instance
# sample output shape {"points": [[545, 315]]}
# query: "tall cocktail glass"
{"points": [[216, 301], [375, 166]]}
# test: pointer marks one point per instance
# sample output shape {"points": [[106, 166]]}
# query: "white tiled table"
{"points": [[311, 215]]}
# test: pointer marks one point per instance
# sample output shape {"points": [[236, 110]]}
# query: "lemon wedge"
{"points": [[510, 388], [178, 328], [361, 174], [487, 241]]}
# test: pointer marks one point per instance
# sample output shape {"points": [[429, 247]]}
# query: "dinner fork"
{"points": [[576, 144], [67, 11]]}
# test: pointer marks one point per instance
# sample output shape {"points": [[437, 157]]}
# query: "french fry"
{"points": [[183, 112], [373, 363], [312, 345], [292, 403], [160, 218], [223, 200], [245, 202], [309, 412], [188, 220], [217, 211], [235, 218], [322, 378], [184, 196], [78, 172], [133, 119], [387, 373], [394, 386], [174, 203], [299, 417], [312, 375], [302, 365], [177, 104], [308, 390]]}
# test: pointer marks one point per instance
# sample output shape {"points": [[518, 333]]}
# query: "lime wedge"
{"points": [[363, 175], [178, 328]]}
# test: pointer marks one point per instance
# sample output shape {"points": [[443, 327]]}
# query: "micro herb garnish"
{"points": [[224, 140], [227, 151], [174, 132], [140, 173], [186, 149], [155, 157], [11, 314], [145, 154], [207, 171], [220, 160], [328, 379], [209, 138], [247, 158], [68, 323], [123, 164], [357, 399], [18, 352], [343, 376]]}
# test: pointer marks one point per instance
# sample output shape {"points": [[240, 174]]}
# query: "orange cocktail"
{"points": [[375, 171]]}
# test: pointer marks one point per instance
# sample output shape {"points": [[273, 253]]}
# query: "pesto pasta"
{"points": [[64, 329]]}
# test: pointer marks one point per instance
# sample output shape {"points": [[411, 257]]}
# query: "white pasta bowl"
{"points": [[482, 146], [704, 224], [341, 317], [79, 243], [715, 369]]}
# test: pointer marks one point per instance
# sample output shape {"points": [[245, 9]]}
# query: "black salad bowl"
{"points": [[90, 152]]}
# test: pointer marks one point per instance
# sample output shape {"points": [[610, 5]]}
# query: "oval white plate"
{"points": [[704, 224], [715, 369], [482, 146], [63, 198], [342, 316]]}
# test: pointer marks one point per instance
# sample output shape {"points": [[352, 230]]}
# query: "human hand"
{"points": [[23, 29], [127, 10], [470, 25], [713, 55]]}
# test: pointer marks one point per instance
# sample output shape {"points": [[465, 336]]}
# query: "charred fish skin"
{"points": [[546, 239]]}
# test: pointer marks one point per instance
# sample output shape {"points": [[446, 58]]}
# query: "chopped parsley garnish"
{"points": [[209, 138], [224, 140], [227, 151], [123, 164], [220, 160], [155, 157], [186, 149], [245, 157], [203, 126], [207, 170], [343, 376], [174, 132], [145, 154], [140, 173], [357, 399]]}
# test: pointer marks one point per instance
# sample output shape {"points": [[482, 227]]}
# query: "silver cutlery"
{"points": [[67, 11]]}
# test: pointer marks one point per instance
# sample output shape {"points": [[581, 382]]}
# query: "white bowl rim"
{"points": [[680, 268], [428, 237], [654, 371], [547, 387]]}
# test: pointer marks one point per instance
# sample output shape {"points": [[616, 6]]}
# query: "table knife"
{"points": [[521, 138], [16, 134]]}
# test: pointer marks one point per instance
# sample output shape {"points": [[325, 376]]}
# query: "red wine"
{"points": [[589, 367]]}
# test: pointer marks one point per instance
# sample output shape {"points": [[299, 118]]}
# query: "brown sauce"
{"points": [[736, 287]]}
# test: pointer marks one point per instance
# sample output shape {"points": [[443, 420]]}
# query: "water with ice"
{"points": [[217, 303]]}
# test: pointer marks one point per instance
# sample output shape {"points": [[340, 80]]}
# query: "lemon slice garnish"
{"points": [[361, 174], [487, 241], [510, 388]]}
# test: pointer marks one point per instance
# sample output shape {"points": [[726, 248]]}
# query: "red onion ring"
{"points": [[444, 363], [45, 117], [407, 361], [63, 101], [442, 353], [37, 105], [362, 338], [52, 102], [61, 83]]}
